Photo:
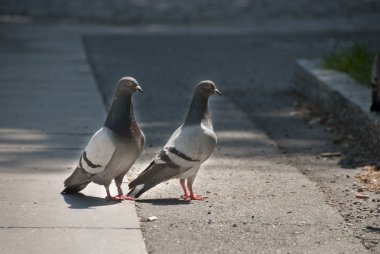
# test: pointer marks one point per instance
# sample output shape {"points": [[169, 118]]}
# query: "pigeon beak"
{"points": [[138, 88], [217, 92]]}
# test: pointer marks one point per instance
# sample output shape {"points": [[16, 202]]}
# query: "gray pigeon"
{"points": [[114, 148], [189, 146]]}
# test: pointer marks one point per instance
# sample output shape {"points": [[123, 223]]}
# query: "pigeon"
{"points": [[188, 147], [114, 148]]}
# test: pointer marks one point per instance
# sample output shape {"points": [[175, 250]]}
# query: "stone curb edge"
{"points": [[340, 95], [105, 107]]}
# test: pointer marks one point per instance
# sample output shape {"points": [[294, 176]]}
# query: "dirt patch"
{"points": [[370, 177]]}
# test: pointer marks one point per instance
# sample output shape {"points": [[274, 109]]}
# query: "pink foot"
{"points": [[197, 197], [115, 198], [119, 198], [186, 197], [125, 197]]}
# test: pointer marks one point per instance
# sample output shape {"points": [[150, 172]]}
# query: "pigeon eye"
{"points": [[208, 86]]}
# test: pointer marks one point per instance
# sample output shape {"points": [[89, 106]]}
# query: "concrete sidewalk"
{"points": [[49, 108]]}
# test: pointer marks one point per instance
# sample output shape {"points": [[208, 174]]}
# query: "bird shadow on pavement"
{"points": [[164, 201], [81, 201]]}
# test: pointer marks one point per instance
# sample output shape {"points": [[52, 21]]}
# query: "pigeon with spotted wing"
{"points": [[114, 148], [189, 146]]}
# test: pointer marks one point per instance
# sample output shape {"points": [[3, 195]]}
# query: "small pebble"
{"points": [[152, 218]]}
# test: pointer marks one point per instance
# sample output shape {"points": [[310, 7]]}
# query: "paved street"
{"points": [[267, 190], [254, 72]]}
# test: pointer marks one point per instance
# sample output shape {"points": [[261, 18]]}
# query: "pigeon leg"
{"points": [[109, 197], [118, 182], [193, 196], [185, 196]]}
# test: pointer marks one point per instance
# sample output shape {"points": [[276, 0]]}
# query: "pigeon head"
{"points": [[207, 88], [128, 85], [198, 111], [120, 116]]}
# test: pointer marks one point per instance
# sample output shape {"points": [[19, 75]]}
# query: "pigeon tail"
{"points": [[139, 190], [150, 177], [74, 188], [78, 180]]}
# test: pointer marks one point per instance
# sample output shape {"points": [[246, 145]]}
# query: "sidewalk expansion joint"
{"points": [[39, 148], [21, 227]]}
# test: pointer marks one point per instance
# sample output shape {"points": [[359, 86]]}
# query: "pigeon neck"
{"points": [[120, 117], [198, 112]]}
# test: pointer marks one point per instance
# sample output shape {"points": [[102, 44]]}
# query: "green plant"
{"points": [[355, 61]]}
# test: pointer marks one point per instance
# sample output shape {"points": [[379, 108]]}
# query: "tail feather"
{"points": [[78, 180], [140, 177], [150, 177], [74, 188], [138, 190], [137, 186]]}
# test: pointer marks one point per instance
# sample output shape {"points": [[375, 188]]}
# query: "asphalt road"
{"points": [[249, 181]]}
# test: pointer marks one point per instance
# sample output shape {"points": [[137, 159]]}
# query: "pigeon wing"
{"points": [[190, 146], [187, 148], [99, 151]]}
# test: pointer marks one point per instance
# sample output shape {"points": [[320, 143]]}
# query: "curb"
{"points": [[340, 95]]}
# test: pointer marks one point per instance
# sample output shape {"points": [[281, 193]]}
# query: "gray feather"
{"points": [[151, 176], [78, 180]]}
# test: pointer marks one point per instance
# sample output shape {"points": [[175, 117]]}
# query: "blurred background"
{"points": [[248, 47], [239, 12]]}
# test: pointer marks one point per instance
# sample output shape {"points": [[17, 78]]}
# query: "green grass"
{"points": [[355, 61]]}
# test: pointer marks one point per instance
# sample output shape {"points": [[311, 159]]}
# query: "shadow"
{"points": [[373, 229], [164, 201], [81, 201]]}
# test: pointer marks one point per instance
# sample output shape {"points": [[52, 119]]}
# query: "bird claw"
{"points": [[125, 197], [193, 197], [197, 197], [185, 197], [119, 198]]}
